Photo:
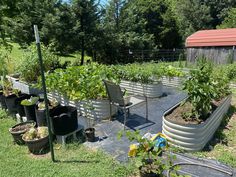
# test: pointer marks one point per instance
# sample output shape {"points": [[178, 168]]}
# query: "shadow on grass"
{"points": [[219, 136], [77, 161]]}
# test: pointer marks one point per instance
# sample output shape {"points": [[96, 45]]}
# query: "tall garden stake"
{"points": [[44, 90]]}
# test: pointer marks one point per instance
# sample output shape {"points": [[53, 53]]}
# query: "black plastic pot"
{"points": [[2, 101], [19, 107], [30, 112], [146, 174], [40, 117], [39, 146], [11, 103], [90, 134], [17, 136], [64, 120]]}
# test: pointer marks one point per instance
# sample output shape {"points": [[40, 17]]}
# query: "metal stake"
{"points": [[44, 90]]}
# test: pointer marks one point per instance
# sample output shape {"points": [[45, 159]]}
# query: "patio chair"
{"points": [[116, 98]]}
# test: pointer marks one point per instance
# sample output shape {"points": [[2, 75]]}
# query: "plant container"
{"points": [[20, 129], [30, 112], [90, 134], [19, 107], [11, 103], [39, 146], [64, 120], [149, 90], [2, 101], [193, 137]]}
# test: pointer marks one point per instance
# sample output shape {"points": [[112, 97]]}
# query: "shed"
{"points": [[216, 45]]}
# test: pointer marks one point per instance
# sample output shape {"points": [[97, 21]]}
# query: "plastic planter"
{"points": [[30, 112], [17, 135], [194, 137], [2, 101], [149, 90], [38, 146], [64, 120]]}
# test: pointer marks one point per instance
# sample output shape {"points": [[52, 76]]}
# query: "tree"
{"points": [[230, 19], [191, 16], [87, 15]]}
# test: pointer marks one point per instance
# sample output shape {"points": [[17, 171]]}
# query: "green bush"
{"points": [[29, 68], [81, 82]]}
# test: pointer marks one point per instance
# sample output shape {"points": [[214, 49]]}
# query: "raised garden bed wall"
{"points": [[24, 87], [173, 82], [149, 90], [94, 110], [194, 137]]}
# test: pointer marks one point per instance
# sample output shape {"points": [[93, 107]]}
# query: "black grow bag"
{"points": [[2, 101], [11, 103], [30, 112], [64, 120], [19, 107]]}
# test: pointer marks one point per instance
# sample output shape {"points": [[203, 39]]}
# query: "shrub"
{"points": [[29, 68]]}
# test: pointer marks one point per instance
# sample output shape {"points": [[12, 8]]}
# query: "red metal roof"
{"points": [[206, 38]]}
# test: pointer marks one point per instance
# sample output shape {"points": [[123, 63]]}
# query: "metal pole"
{"points": [[44, 90]]}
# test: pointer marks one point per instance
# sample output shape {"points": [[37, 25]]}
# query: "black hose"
{"points": [[203, 165]]}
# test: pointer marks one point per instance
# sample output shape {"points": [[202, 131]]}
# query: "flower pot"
{"points": [[30, 112], [11, 103], [2, 101], [41, 117], [64, 120], [39, 146], [18, 130], [147, 174], [90, 134], [19, 107]]}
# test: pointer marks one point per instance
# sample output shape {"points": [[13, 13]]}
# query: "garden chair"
{"points": [[116, 98]]}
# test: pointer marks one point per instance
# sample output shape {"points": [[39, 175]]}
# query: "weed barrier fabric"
{"points": [[198, 167]]}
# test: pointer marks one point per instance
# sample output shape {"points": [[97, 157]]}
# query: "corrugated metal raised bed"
{"points": [[172, 82], [23, 87], [149, 90], [96, 110], [194, 137]]}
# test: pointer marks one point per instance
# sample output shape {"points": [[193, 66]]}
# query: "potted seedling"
{"points": [[40, 111], [37, 140], [29, 107], [18, 130]]}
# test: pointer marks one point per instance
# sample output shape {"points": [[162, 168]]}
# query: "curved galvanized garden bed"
{"points": [[149, 90], [194, 137]]}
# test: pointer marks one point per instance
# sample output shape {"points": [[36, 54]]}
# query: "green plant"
{"points": [[36, 133], [200, 91], [29, 102], [29, 68], [148, 158]]}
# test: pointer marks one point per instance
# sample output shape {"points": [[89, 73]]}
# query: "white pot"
{"points": [[194, 137], [150, 90]]}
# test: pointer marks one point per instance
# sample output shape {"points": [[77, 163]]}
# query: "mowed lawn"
{"points": [[74, 160]]}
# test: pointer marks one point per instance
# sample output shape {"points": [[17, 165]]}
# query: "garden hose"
{"points": [[203, 165]]}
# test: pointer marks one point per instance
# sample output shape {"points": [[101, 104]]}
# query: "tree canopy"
{"points": [[107, 32]]}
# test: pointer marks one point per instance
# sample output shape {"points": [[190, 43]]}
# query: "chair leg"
{"points": [[110, 113], [146, 107], [125, 117]]}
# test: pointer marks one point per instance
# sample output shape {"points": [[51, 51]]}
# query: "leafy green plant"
{"points": [[29, 68], [82, 82], [29, 102], [200, 91], [148, 158]]}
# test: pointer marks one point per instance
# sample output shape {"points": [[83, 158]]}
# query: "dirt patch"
{"points": [[182, 113]]}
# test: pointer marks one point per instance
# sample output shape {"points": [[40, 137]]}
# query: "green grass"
{"points": [[75, 160]]}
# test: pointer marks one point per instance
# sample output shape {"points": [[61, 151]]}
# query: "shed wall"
{"points": [[218, 55]]}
